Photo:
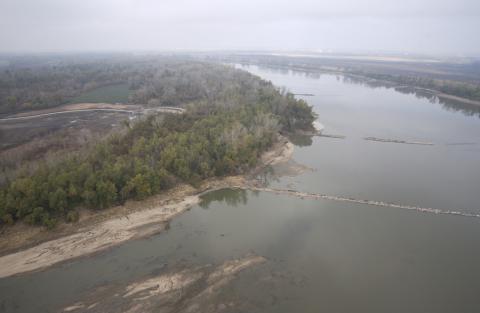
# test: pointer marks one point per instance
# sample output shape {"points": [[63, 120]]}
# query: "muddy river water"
{"points": [[321, 255]]}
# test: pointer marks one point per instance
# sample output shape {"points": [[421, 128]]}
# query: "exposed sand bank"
{"points": [[117, 225], [100, 237], [186, 290]]}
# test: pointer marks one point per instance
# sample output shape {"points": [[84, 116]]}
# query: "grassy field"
{"points": [[109, 94]]}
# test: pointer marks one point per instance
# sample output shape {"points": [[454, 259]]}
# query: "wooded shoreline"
{"points": [[134, 220]]}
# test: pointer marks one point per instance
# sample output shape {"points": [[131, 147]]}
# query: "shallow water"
{"points": [[323, 256], [442, 176]]}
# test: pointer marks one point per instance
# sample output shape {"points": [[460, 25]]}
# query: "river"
{"points": [[322, 255]]}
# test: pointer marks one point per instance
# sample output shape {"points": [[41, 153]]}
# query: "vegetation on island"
{"points": [[231, 118]]}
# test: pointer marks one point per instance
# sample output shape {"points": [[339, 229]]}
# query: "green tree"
{"points": [[106, 194]]}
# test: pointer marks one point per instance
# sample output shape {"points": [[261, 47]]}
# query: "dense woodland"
{"points": [[49, 83], [166, 81], [43, 84], [231, 118]]}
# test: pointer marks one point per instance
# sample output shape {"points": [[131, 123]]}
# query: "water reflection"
{"points": [[456, 106], [413, 175], [322, 255], [231, 197], [266, 176], [300, 140], [468, 109]]}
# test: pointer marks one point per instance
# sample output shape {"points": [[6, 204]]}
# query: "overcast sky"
{"points": [[449, 27]]}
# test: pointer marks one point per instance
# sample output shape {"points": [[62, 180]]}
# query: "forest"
{"points": [[167, 81], [231, 118]]}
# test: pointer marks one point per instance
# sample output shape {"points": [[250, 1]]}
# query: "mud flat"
{"points": [[186, 290], [281, 152], [117, 225], [399, 141]]}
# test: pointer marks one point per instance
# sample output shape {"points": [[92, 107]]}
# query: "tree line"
{"points": [[232, 117], [449, 87], [155, 80]]}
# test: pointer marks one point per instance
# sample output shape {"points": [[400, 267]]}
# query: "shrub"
{"points": [[72, 216]]}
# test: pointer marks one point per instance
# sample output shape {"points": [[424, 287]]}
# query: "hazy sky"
{"points": [[419, 26]]}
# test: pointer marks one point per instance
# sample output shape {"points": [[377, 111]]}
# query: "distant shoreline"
{"points": [[333, 70]]}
